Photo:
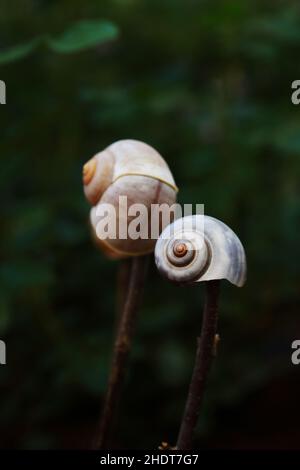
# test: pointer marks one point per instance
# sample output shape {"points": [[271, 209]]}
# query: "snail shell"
{"points": [[200, 248], [133, 169]]}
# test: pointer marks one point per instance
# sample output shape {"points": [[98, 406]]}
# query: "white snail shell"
{"points": [[200, 248], [133, 169]]}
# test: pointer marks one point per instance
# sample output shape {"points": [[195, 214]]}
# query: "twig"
{"points": [[122, 281], [204, 356], [121, 351]]}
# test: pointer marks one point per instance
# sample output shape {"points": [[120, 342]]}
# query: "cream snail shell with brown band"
{"points": [[200, 248], [127, 173], [127, 168]]}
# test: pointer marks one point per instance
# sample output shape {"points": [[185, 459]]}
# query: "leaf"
{"points": [[19, 52], [80, 36], [83, 35]]}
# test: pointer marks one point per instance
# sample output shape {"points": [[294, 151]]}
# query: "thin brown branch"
{"points": [[122, 281], [206, 346], [121, 350]]}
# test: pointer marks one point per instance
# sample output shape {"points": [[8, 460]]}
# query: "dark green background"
{"points": [[207, 83]]}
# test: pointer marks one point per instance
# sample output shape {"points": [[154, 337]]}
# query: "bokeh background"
{"points": [[209, 85]]}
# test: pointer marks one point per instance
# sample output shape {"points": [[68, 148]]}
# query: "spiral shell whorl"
{"points": [[185, 258], [200, 248], [123, 158]]}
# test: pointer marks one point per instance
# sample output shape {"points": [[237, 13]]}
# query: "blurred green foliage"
{"points": [[81, 36], [206, 83]]}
